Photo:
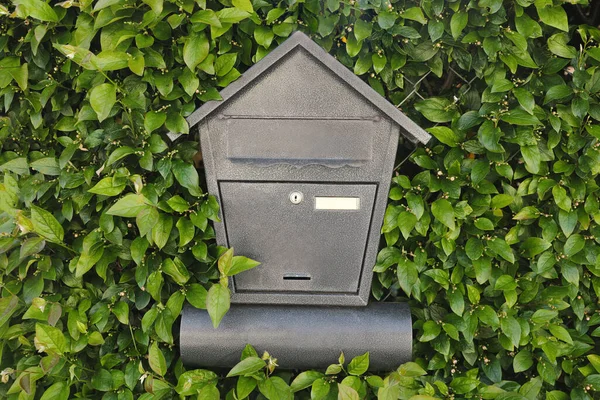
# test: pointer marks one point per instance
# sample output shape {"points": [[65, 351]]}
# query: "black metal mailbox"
{"points": [[300, 153]]}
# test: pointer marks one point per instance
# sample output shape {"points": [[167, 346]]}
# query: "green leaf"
{"points": [[557, 92], [561, 333], [146, 219], [560, 197], [156, 359], [474, 248], [442, 211], [362, 29], [554, 16], [519, 116], [386, 19], [44, 224], [431, 330], [359, 365], [176, 270], [437, 109], [458, 23], [196, 295], [247, 366], [462, 385], [379, 61], [162, 230], [92, 251], [522, 361], [102, 380], [232, 15], [138, 248], [121, 311], [488, 316], [275, 388], [102, 99], [57, 391], [118, 154], [49, 339], [411, 369], [225, 261], [363, 64], [187, 176], [245, 386], [129, 206], [319, 389], [200, 251], [186, 230], [501, 200], [525, 99], [574, 245], [542, 316], [511, 328], [47, 166], [533, 246], [17, 165], [526, 213], [217, 303], [415, 14], [304, 380], [558, 44], [501, 248], [154, 120], [225, 63], [209, 392], [595, 361], [445, 135], [36, 9], [406, 223], [347, 393], [107, 187], [208, 17], [240, 264], [195, 49], [178, 203], [245, 5], [274, 14], [31, 246], [263, 36], [177, 124]]}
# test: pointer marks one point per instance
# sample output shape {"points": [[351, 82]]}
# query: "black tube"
{"points": [[300, 337]]}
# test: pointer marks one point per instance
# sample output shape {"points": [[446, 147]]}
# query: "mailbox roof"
{"points": [[410, 130]]}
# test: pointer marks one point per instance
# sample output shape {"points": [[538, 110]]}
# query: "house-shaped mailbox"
{"points": [[300, 154]]}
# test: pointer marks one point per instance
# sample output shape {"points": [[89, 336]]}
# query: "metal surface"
{"points": [[327, 245], [300, 337], [299, 121], [299, 40]]}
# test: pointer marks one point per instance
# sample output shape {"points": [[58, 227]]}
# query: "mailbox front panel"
{"points": [[310, 238]]}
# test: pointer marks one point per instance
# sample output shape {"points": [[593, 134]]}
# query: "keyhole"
{"points": [[296, 197]]}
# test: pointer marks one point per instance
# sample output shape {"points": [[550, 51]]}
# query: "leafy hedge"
{"points": [[492, 230]]}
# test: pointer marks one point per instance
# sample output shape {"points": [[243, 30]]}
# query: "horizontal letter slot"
{"points": [[337, 203], [296, 277]]}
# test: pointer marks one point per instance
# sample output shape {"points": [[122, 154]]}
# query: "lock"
{"points": [[296, 197]]}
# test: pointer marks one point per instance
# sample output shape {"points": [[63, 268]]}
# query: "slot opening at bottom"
{"points": [[297, 277]]}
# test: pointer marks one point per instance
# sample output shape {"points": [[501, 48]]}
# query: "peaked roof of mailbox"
{"points": [[410, 129]]}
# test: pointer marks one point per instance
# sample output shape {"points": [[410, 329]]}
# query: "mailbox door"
{"points": [[308, 237]]}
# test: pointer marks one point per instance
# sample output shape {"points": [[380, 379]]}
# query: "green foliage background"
{"points": [[492, 229]]}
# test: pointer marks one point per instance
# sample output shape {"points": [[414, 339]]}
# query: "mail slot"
{"points": [[300, 154]]}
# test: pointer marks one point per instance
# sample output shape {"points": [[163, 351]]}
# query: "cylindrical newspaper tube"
{"points": [[300, 337]]}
